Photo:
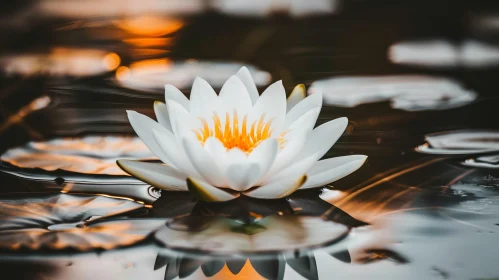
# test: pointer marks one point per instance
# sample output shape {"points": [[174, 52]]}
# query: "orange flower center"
{"points": [[246, 138]]}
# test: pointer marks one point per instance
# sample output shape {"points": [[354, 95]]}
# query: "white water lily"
{"points": [[219, 146]]}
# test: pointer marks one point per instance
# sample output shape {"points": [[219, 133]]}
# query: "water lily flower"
{"points": [[219, 146]]}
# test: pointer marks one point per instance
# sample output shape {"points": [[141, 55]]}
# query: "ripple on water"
{"points": [[423, 235], [292, 237], [80, 164], [63, 221]]}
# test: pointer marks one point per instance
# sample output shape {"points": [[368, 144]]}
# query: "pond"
{"points": [[417, 81]]}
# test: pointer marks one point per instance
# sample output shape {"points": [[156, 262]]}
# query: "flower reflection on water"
{"points": [[272, 233], [256, 267], [252, 238], [401, 231]]}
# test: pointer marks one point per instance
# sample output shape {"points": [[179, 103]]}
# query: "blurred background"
{"points": [[89, 60]]}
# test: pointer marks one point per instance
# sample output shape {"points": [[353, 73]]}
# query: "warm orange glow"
{"points": [[123, 73], [111, 61], [35, 105], [152, 63], [36, 236], [149, 42], [232, 136], [247, 272], [144, 67], [89, 155], [149, 51], [61, 61], [150, 25]]}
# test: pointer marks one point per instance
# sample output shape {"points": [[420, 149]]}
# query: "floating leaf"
{"points": [[65, 221]]}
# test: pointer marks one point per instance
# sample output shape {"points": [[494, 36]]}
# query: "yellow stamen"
{"points": [[232, 136]]}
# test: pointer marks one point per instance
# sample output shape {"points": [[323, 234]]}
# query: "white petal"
{"points": [[235, 155], [144, 126], [217, 150], [242, 176], [272, 103], [332, 169], [248, 82], [296, 139], [204, 162], [306, 121], [299, 167], [206, 192], [279, 188], [155, 174], [173, 93], [311, 102], [235, 96], [291, 150], [204, 100], [264, 154], [169, 145], [297, 95], [181, 121], [323, 137], [162, 114]]}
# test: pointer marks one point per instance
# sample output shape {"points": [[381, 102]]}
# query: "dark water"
{"points": [[417, 80]]}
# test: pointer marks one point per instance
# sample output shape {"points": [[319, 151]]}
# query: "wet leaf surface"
{"points": [[270, 234], [88, 155], [63, 221]]}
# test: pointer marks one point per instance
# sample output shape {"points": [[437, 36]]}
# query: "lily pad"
{"points": [[222, 236], [64, 221]]}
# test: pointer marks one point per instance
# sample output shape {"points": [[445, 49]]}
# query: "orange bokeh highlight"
{"points": [[111, 61], [124, 73], [147, 25], [149, 42]]}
